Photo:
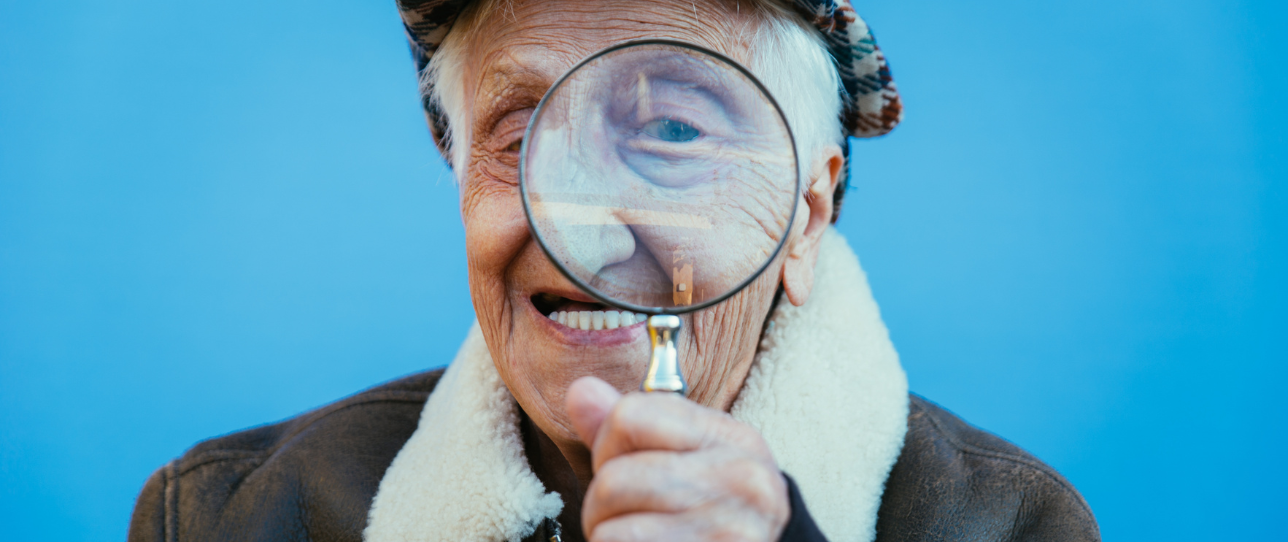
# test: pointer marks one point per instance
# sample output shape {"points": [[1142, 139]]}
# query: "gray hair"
{"points": [[788, 56]]}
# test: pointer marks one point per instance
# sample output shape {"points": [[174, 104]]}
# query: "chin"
{"points": [[557, 337]]}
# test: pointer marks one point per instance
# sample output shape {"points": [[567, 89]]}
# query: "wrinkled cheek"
{"points": [[718, 350], [495, 234]]}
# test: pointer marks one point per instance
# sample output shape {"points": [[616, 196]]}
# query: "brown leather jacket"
{"points": [[313, 478]]}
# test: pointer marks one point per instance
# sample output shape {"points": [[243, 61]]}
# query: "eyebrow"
{"points": [[515, 82]]}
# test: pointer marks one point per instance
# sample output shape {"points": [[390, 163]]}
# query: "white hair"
{"points": [[788, 56]]}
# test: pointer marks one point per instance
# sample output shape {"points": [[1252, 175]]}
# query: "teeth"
{"points": [[597, 320], [632, 318]]}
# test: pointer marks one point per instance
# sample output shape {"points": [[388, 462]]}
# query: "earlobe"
{"points": [[798, 278]]}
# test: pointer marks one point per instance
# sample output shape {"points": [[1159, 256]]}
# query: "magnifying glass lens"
{"points": [[659, 177]]}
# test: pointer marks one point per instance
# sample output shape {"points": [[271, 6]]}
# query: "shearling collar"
{"points": [[826, 391]]}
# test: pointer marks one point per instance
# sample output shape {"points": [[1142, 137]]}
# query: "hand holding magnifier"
{"points": [[660, 178]]}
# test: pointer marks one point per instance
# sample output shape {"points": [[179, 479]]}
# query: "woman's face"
{"points": [[518, 54]]}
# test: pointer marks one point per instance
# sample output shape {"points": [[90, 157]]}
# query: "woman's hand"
{"points": [[669, 469]]}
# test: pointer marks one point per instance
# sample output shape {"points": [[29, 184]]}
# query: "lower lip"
{"points": [[583, 337]]}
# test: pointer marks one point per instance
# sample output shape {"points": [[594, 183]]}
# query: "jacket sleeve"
{"points": [[954, 481], [148, 523], [800, 526]]}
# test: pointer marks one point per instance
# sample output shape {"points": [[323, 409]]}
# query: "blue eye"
{"points": [[671, 130]]}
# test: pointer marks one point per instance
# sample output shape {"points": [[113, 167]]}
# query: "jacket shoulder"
{"points": [[316, 472], [406, 391], [957, 482]]}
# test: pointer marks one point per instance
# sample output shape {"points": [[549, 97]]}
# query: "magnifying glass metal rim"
{"points": [[527, 202]]}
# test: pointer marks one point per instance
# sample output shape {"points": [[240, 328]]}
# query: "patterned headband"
{"points": [[872, 105]]}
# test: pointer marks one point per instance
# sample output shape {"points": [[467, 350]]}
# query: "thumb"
{"points": [[589, 400]]}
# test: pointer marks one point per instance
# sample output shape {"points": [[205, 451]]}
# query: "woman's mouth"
{"points": [[583, 315]]}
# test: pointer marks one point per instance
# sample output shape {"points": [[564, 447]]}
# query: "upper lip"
{"points": [[572, 294]]}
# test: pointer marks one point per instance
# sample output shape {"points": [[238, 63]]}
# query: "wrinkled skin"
{"points": [[633, 467]]}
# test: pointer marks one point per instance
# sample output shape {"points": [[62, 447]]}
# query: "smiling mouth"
{"points": [[583, 315]]}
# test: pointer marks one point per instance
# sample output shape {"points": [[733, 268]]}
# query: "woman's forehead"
{"points": [[541, 39]]}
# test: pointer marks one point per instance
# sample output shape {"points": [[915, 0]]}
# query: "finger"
{"points": [[672, 482], [641, 482], [685, 527], [646, 527], [662, 421], [589, 401]]}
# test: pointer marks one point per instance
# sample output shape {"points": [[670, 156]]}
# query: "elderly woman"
{"points": [[798, 424]]}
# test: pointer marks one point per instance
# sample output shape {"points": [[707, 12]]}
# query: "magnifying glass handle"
{"points": [[664, 363]]}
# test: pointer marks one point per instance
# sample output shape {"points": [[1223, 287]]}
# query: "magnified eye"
{"points": [[671, 130]]}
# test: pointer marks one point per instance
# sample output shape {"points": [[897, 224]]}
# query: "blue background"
{"points": [[217, 215]]}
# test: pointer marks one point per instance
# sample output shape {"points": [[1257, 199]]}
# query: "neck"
{"points": [[565, 470]]}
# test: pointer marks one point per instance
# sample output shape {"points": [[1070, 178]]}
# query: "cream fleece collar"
{"points": [[826, 391]]}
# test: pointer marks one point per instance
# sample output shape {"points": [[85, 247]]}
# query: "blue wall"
{"points": [[217, 215]]}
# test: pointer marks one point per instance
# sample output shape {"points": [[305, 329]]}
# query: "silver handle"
{"points": [[664, 362]]}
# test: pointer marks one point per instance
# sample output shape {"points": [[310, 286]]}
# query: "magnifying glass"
{"points": [[661, 178]]}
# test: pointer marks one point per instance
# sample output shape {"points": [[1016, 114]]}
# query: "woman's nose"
{"points": [[578, 213], [596, 246]]}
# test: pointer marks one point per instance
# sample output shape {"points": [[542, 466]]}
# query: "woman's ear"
{"points": [[802, 254]]}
